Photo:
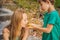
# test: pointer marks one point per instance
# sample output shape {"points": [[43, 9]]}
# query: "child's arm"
{"points": [[47, 29]]}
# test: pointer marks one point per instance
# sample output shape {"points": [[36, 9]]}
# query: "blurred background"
{"points": [[31, 7]]}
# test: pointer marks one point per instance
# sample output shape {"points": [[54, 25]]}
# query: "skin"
{"points": [[48, 8], [23, 23], [6, 32]]}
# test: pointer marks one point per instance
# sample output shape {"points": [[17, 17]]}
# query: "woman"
{"points": [[17, 29], [51, 21]]}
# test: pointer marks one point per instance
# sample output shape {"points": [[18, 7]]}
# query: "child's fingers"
{"points": [[30, 27], [36, 25]]}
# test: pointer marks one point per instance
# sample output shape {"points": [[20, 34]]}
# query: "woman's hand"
{"points": [[25, 36], [6, 34]]}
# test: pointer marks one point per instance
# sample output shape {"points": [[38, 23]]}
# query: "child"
{"points": [[51, 21], [17, 29]]}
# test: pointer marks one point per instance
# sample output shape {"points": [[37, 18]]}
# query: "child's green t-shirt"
{"points": [[52, 18]]}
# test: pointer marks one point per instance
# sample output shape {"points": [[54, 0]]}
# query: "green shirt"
{"points": [[52, 18]]}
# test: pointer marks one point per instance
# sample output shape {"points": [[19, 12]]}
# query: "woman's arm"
{"points": [[46, 30], [26, 34], [5, 34]]}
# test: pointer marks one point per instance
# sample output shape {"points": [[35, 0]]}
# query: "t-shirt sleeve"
{"points": [[52, 18]]}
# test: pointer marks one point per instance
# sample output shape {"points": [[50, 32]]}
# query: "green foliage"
{"points": [[57, 3], [30, 4]]}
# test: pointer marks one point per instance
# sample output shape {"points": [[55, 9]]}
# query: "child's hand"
{"points": [[34, 25]]}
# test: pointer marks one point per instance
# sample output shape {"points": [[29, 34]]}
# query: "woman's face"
{"points": [[24, 20], [44, 6]]}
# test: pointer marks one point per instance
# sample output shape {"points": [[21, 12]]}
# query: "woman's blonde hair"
{"points": [[15, 25]]}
